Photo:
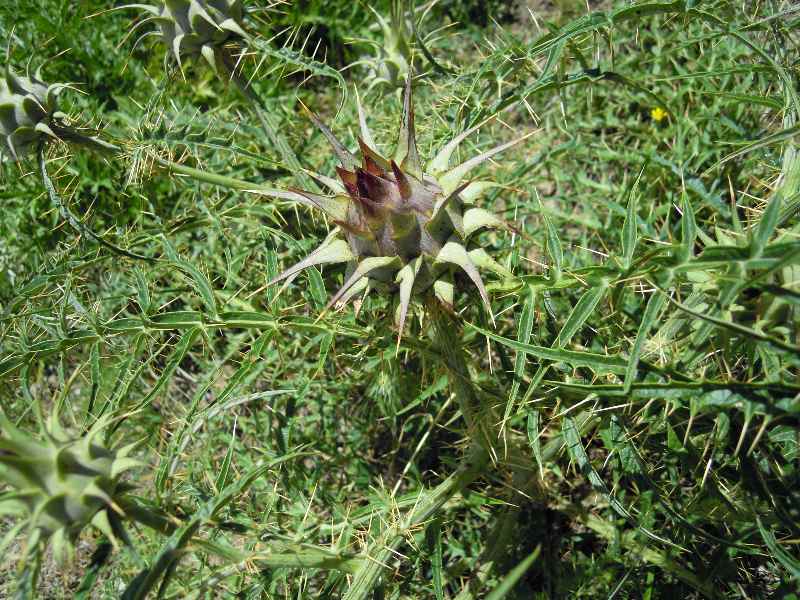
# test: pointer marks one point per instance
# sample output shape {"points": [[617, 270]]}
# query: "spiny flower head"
{"points": [[28, 112], [399, 226], [197, 28], [63, 483]]}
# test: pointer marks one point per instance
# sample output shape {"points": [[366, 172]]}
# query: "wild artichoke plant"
{"points": [[211, 29], [393, 58], [198, 28], [398, 48], [401, 226], [28, 113], [62, 484]]}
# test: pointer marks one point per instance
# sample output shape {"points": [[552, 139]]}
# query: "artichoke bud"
{"points": [[392, 60], [28, 112], [198, 28], [62, 483], [406, 228]]}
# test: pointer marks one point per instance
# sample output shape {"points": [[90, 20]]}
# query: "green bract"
{"points": [[197, 28], [28, 109], [401, 226], [62, 484]]}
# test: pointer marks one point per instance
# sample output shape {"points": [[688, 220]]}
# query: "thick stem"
{"points": [[445, 332], [211, 178], [313, 559], [482, 422], [69, 135]]}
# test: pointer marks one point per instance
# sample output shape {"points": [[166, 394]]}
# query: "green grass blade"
{"points": [[766, 226], [764, 142], [433, 536], [198, 279], [789, 562], [553, 247], [630, 230], [688, 231], [224, 470], [510, 580], [534, 433]]}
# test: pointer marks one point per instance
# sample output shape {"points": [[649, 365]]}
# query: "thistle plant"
{"points": [[30, 116], [204, 29], [29, 119], [402, 226], [393, 56], [214, 31], [63, 483], [635, 406], [28, 110]]}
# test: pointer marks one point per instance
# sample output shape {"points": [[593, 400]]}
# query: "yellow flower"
{"points": [[658, 114]]}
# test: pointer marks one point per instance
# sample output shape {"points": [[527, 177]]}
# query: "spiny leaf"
{"points": [[789, 562], [600, 363], [198, 278], [651, 312], [688, 231], [433, 536], [524, 330], [582, 311], [533, 438], [629, 233], [174, 360], [553, 247]]}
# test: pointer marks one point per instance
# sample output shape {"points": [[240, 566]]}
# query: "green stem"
{"points": [[445, 331], [69, 135], [308, 559], [227, 182], [482, 423], [206, 177]]}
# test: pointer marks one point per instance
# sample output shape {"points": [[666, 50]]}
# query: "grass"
{"points": [[627, 428]]}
